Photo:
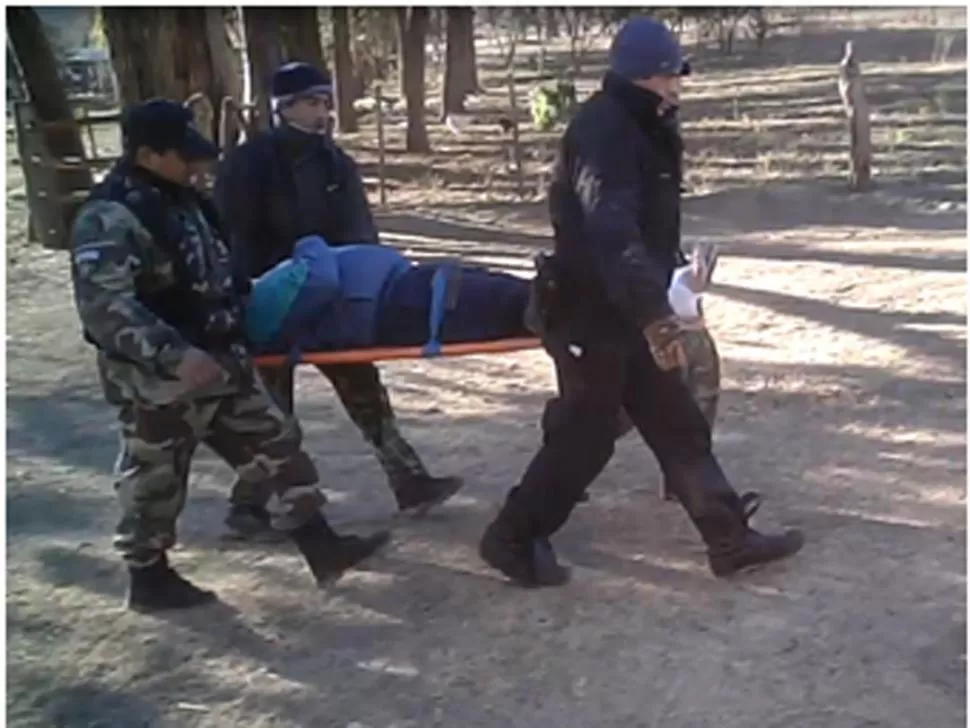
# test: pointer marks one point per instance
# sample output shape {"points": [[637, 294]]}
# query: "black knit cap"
{"points": [[163, 125], [298, 80]]}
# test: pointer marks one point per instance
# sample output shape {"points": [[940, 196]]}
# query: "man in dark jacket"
{"points": [[282, 185], [607, 323], [157, 300]]}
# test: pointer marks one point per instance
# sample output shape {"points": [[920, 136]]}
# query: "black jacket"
{"points": [[284, 184], [615, 200]]}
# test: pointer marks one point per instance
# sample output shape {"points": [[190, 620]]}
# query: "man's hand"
{"points": [[198, 369], [664, 339]]}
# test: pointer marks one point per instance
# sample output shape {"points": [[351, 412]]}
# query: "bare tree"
{"points": [[265, 51], [467, 76], [343, 64], [413, 29], [460, 77], [300, 35], [373, 45], [223, 38], [505, 32], [140, 36], [135, 36], [584, 26], [551, 23]]}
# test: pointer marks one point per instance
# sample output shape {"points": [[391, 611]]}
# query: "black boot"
{"points": [[417, 494], [251, 522], [159, 587], [328, 554], [528, 563], [721, 516], [733, 546]]}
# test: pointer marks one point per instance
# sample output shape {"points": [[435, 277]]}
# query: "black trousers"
{"points": [[604, 364]]}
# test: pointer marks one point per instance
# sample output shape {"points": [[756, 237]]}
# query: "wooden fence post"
{"points": [[516, 145], [856, 107], [379, 110]]}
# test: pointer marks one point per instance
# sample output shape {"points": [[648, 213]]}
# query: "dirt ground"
{"points": [[841, 321]]}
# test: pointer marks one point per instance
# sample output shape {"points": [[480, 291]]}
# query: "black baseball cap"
{"points": [[163, 125]]}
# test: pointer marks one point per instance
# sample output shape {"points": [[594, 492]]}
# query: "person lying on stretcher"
{"points": [[362, 296]]}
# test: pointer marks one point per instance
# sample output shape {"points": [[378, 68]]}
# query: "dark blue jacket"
{"points": [[615, 201], [322, 298], [283, 185]]}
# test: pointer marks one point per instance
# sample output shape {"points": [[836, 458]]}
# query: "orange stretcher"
{"points": [[357, 356]]}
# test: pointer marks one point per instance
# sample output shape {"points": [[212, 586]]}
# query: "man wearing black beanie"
{"points": [[608, 325], [282, 185]]}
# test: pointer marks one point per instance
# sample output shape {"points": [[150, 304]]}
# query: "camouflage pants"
{"points": [[703, 373], [246, 429], [365, 399], [702, 376]]}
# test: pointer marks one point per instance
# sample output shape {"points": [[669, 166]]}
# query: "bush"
{"points": [[550, 106]]}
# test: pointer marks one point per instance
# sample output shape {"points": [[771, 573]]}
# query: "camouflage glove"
{"points": [[198, 369], [664, 338]]}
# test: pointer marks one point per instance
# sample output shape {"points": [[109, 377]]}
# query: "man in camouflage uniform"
{"points": [[283, 184], [155, 296]]}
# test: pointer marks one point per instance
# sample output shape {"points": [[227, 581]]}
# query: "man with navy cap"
{"points": [[285, 184], [608, 325], [156, 297]]}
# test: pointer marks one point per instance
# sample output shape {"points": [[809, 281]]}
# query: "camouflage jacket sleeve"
{"points": [[109, 248]]}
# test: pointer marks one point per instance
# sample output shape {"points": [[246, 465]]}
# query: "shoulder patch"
{"points": [[87, 255]]}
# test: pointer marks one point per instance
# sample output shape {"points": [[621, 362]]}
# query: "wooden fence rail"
{"points": [[51, 206]]}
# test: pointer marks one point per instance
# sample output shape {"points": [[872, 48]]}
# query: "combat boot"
{"points": [[733, 546], [527, 562], [251, 522], [159, 587], [328, 554], [417, 494]]}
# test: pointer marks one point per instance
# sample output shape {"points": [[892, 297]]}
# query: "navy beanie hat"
{"points": [[645, 47], [163, 125], [297, 80]]}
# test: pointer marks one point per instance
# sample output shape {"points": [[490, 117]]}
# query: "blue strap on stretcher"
{"points": [[444, 292]]}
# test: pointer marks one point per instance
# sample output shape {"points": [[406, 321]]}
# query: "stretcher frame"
{"points": [[358, 356]]}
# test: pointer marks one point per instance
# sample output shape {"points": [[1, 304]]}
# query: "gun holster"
{"points": [[544, 295]]}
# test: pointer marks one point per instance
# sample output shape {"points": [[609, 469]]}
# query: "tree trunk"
{"points": [[265, 56], [227, 73], [402, 28], [226, 62], [452, 91], [43, 83], [62, 138], [466, 76], [343, 64], [552, 23], [299, 29], [135, 37], [15, 82], [141, 37], [413, 24]]}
